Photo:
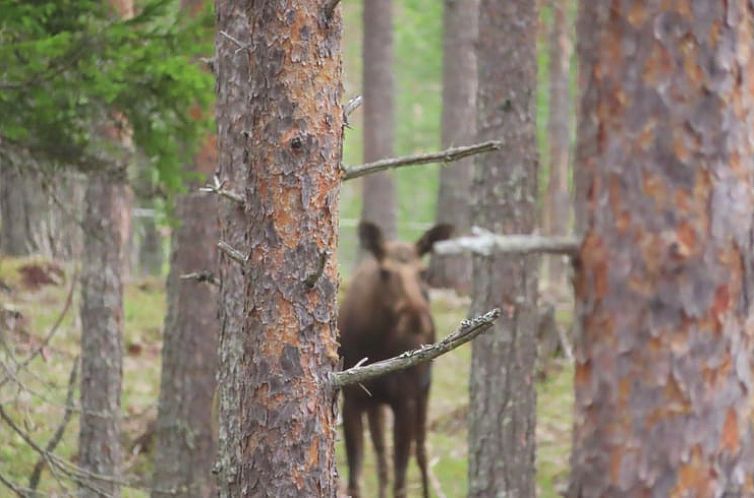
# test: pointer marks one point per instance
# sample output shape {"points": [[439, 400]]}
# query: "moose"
{"points": [[385, 313]]}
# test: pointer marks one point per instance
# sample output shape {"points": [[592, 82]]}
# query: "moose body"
{"points": [[385, 313]]}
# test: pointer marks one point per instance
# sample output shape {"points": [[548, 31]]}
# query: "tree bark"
{"points": [[186, 439], [40, 209], [502, 416], [663, 377], [460, 24], [379, 189], [282, 150], [558, 206], [101, 333]]}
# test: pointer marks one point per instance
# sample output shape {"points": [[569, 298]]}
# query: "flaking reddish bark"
{"points": [[664, 360], [279, 137]]}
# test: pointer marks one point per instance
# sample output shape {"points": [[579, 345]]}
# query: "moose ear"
{"points": [[435, 234], [371, 239]]}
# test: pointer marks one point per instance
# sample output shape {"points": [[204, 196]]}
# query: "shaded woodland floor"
{"points": [[36, 397]]}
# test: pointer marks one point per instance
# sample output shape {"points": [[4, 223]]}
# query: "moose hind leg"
{"points": [[354, 434], [403, 434], [376, 415]]}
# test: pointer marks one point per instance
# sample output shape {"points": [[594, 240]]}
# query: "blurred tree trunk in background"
{"points": [[149, 257], [107, 213], [185, 440], [379, 203], [277, 312], [503, 400], [663, 378], [460, 22], [557, 204], [40, 208]]}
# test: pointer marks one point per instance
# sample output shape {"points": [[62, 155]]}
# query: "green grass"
{"points": [[39, 412]]}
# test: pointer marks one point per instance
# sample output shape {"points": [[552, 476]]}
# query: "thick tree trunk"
{"points": [[558, 205], [101, 333], [379, 190], [664, 361], [186, 439], [40, 210], [281, 150], [502, 417], [460, 23]]}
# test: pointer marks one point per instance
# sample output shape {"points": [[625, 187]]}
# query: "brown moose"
{"points": [[385, 313]]}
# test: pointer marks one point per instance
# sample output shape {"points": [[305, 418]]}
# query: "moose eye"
{"points": [[424, 274], [385, 273]]}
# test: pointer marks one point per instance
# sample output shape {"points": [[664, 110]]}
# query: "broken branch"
{"points": [[330, 7], [202, 276], [467, 331], [232, 253], [218, 188], [487, 243], [444, 156]]}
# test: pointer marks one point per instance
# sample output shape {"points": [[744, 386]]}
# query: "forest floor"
{"points": [[33, 296]]}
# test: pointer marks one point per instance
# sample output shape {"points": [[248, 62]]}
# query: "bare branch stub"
{"points": [[351, 106], [443, 156], [202, 276], [467, 331], [232, 253], [330, 8], [218, 187], [487, 243]]}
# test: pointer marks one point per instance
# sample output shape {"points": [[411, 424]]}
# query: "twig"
{"points": [[241, 46], [218, 188], [434, 480], [467, 331], [445, 156], [23, 493], [50, 334], [202, 276], [55, 440], [232, 253], [565, 344], [330, 7], [351, 106], [487, 243]]}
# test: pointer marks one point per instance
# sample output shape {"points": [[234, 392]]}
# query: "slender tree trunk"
{"points": [[558, 204], [664, 361], [460, 21], [503, 399], [379, 189], [276, 410], [101, 333], [185, 444]]}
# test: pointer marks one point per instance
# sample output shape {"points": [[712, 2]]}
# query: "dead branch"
{"points": [[58, 436], [50, 334], [232, 253], [351, 106], [487, 243], [218, 187], [202, 276], [467, 331], [330, 7], [444, 156], [18, 490]]}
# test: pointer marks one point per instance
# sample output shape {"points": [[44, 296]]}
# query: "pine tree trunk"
{"points": [[101, 333], [185, 444], [379, 190], [281, 150], [185, 439], [460, 24], [503, 399], [558, 201], [664, 361]]}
